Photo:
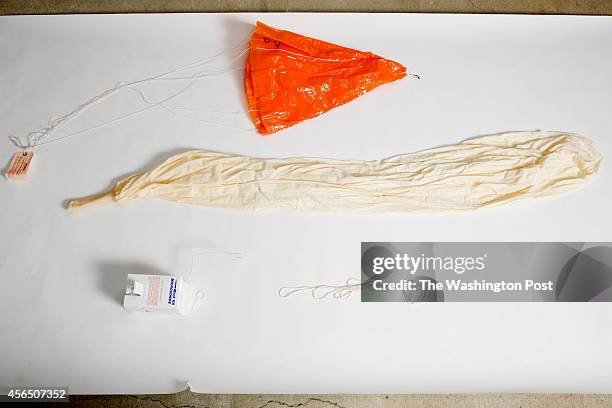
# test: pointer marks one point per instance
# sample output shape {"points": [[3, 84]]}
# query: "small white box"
{"points": [[160, 293]]}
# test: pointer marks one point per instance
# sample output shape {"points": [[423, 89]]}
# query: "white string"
{"points": [[322, 291], [198, 297], [199, 294], [194, 78], [187, 108], [35, 138], [117, 119], [235, 255], [172, 111]]}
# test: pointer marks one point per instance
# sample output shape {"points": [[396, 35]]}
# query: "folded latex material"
{"points": [[290, 77], [475, 173]]}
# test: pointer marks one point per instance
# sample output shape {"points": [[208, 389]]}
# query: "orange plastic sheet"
{"points": [[290, 77]]}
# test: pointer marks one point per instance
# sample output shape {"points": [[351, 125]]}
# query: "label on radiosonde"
{"points": [[486, 272]]}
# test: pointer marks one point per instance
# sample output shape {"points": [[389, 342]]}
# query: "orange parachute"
{"points": [[290, 77]]}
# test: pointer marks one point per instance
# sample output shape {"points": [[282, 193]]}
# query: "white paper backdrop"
{"points": [[62, 275]]}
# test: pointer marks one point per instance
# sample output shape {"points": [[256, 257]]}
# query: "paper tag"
{"points": [[19, 166]]}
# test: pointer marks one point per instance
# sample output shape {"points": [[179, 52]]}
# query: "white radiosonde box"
{"points": [[160, 293]]}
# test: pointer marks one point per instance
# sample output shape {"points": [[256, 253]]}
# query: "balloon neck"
{"points": [[88, 201]]}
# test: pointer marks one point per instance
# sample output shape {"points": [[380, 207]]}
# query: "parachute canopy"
{"points": [[290, 77]]}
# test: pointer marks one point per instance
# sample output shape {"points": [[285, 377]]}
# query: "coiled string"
{"points": [[322, 291]]}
